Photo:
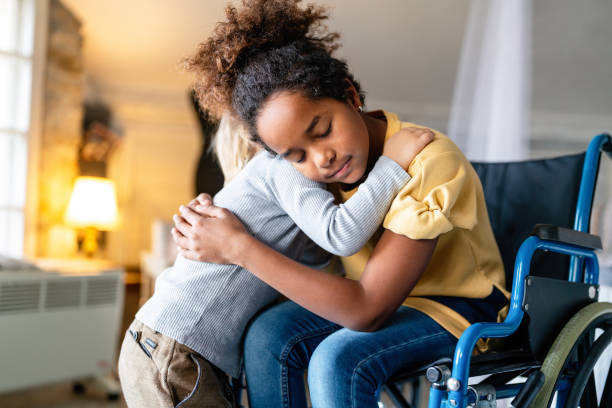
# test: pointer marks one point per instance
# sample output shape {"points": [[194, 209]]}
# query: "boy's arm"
{"points": [[343, 229], [340, 229]]}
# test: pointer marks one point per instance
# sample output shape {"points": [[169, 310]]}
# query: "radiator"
{"points": [[56, 327]]}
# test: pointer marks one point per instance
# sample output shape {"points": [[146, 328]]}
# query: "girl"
{"points": [[433, 270], [189, 333]]}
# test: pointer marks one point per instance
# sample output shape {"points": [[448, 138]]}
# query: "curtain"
{"points": [[489, 117]]}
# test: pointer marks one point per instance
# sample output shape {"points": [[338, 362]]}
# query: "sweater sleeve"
{"points": [[340, 229]]}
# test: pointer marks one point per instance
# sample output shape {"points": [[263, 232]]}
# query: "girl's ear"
{"points": [[352, 96]]}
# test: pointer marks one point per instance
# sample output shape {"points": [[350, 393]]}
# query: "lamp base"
{"points": [[90, 242]]}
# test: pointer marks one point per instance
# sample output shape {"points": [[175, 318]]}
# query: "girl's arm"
{"points": [[390, 274]]}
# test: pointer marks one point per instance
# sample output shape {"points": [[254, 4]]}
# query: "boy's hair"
{"points": [[267, 46], [232, 146]]}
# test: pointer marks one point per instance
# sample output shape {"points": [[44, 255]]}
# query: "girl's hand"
{"points": [[404, 145], [204, 232]]}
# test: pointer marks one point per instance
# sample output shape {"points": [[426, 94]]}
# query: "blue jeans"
{"points": [[346, 368]]}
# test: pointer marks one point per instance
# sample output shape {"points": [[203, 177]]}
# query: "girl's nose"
{"points": [[324, 158]]}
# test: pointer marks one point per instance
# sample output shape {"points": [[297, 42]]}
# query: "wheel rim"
{"points": [[566, 343], [585, 380]]}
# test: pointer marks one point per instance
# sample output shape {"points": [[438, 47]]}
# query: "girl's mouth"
{"points": [[343, 170]]}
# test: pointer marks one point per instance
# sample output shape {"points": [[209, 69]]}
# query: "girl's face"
{"points": [[326, 140]]}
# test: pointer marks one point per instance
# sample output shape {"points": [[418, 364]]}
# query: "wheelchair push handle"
{"points": [[601, 142]]}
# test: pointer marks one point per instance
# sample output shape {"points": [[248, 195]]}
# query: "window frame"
{"points": [[31, 135]]}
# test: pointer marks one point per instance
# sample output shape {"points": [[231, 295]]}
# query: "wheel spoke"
{"points": [[564, 353], [589, 395], [606, 396], [583, 389]]}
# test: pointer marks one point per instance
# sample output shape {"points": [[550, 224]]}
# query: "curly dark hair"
{"points": [[268, 46]]}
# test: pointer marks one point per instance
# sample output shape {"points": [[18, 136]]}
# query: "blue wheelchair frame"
{"points": [[580, 256]]}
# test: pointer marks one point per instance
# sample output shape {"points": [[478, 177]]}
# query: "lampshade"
{"points": [[93, 204]]}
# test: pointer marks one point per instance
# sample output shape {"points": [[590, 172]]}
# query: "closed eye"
{"points": [[327, 132], [291, 153]]}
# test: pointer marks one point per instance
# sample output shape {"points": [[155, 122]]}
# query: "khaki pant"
{"points": [[157, 371]]}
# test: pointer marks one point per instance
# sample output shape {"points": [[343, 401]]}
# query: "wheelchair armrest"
{"points": [[470, 336], [567, 236]]}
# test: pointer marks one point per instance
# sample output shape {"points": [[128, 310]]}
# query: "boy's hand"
{"points": [[404, 145]]}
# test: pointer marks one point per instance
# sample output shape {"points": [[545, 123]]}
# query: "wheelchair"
{"points": [[540, 212]]}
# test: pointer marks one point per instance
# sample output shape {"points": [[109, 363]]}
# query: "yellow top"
{"points": [[444, 199]]}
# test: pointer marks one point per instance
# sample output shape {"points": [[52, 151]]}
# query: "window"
{"points": [[16, 53]]}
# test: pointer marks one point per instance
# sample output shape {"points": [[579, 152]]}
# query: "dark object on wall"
{"points": [[209, 177], [100, 136]]}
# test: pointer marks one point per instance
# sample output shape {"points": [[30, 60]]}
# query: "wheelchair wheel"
{"points": [[572, 353], [583, 389]]}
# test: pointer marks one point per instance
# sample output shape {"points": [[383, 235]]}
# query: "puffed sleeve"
{"points": [[440, 196]]}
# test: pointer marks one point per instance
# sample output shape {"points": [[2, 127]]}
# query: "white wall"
{"points": [[404, 52]]}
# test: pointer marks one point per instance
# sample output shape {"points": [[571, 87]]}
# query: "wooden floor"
{"points": [[59, 395]]}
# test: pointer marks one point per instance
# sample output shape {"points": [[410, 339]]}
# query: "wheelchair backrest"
{"points": [[522, 194]]}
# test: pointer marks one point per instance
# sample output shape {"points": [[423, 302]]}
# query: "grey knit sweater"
{"points": [[207, 306]]}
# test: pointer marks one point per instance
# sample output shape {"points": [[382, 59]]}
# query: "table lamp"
{"points": [[93, 208]]}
